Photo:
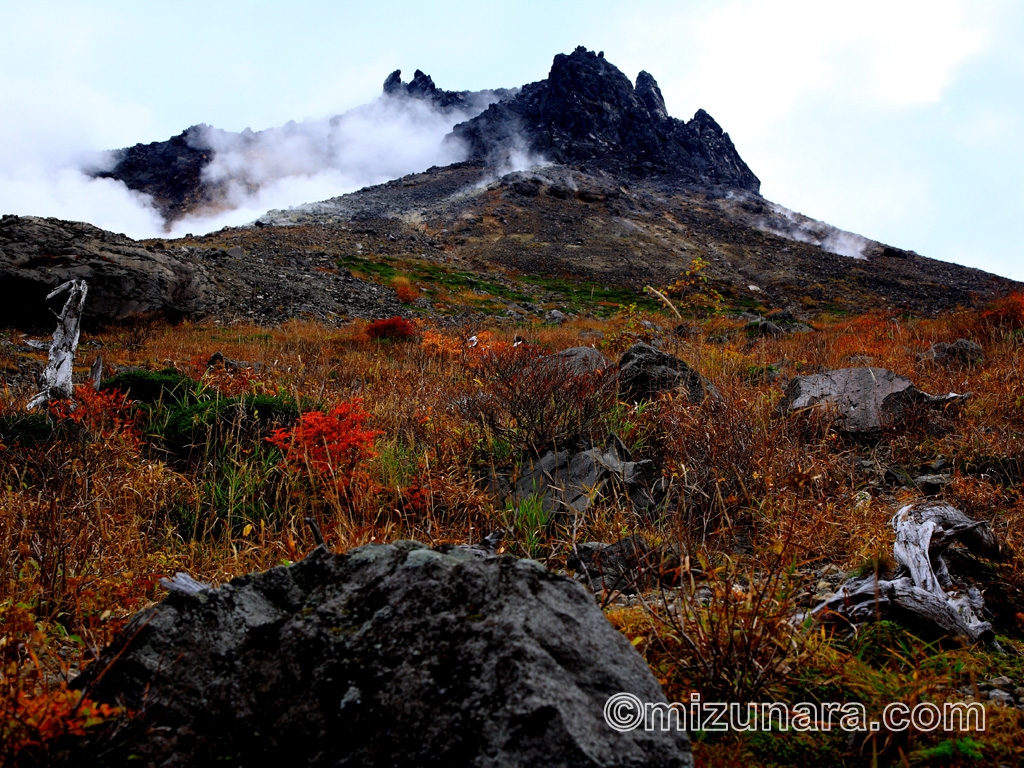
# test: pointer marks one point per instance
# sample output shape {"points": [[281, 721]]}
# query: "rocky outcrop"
{"points": [[171, 171], [387, 655], [645, 372], [181, 177], [863, 400], [125, 278], [588, 112], [422, 87]]}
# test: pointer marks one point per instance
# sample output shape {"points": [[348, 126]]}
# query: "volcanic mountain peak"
{"points": [[588, 112]]}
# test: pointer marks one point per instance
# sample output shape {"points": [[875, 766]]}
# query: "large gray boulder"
{"points": [[394, 655], [125, 278], [645, 372], [862, 399]]}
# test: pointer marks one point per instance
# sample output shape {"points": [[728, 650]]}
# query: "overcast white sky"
{"points": [[897, 119]]}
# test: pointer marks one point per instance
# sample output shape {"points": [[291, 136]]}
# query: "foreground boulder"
{"points": [[645, 372], [863, 399], [393, 655]]}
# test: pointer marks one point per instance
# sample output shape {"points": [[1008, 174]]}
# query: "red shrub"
{"points": [[328, 445], [106, 414], [407, 293], [1006, 313], [392, 329]]}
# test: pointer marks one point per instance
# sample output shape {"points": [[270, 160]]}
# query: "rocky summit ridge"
{"points": [[588, 112]]}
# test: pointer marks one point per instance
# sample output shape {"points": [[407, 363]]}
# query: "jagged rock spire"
{"points": [[588, 112]]}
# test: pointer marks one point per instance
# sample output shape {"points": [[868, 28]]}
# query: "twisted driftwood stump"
{"points": [[924, 594]]}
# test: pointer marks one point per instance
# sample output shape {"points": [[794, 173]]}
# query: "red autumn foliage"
{"points": [[33, 721], [328, 445], [392, 329], [1006, 313], [105, 414], [407, 293]]}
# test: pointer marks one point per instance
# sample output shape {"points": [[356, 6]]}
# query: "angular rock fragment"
{"points": [[581, 360], [392, 655], [962, 351], [568, 482], [628, 566], [863, 399]]}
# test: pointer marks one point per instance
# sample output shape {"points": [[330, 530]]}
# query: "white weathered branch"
{"points": [[55, 381]]}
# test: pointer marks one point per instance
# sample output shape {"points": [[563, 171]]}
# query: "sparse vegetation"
{"points": [[177, 466]]}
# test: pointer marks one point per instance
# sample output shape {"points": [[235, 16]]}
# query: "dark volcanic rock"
{"points": [[645, 372], [581, 360], [565, 483], [627, 566], [422, 87], [127, 278], [863, 399], [124, 277], [392, 655], [962, 351], [170, 171], [588, 112]]}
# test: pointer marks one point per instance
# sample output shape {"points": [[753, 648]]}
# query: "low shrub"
{"points": [[391, 329], [152, 386], [535, 402], [329, 451], [407, 293]]}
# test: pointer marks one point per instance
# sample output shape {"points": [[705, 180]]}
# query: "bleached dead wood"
{"points": [[924, 595], [182, 582], [55, 381], [96, 372]]}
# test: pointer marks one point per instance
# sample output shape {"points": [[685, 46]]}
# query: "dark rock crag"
{"points": [[172, 172], [587, 112], [393, 655], [125, 278], [128, 279], [422, 87]]}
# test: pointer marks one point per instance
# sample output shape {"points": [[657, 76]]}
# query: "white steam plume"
{"points": [[781, 221], [258, 171]]}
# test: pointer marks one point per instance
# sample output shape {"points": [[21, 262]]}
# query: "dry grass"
{"points": [[94, 508]]}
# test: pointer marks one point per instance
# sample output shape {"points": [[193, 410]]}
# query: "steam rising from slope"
{"points": [[255, 171], [781, 221]]}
